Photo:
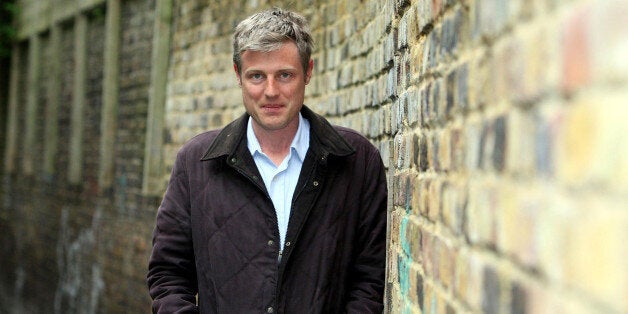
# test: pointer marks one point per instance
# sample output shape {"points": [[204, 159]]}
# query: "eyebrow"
{"points": [[289, 69]]}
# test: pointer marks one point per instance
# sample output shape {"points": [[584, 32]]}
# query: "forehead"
{"points": [[286, 56]]}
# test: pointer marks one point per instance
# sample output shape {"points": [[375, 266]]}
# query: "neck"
{"points": [[275, 143]]}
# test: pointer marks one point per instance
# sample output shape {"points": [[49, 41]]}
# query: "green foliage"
{"points": [[8, 10], [97, 13]]}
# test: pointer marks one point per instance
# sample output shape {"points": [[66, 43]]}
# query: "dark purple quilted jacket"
{"points": [[215, 244]]}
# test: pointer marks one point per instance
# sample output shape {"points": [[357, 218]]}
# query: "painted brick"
{"points": [[451, 34], [586, 143], [454, 198], [608, 46], [521, 143], [457, 149], [480, 214], [576, 66], [468, 281], [434, 199], [444, 150], [492, 17], [446, 261], [424, 14], [603, 234], [518, 215], [491, 291], [472, 135], [428, 253], [411, 243], [420, 197]]}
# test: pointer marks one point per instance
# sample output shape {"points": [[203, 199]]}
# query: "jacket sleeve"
{"points": [[171, 274], [368, 271]]}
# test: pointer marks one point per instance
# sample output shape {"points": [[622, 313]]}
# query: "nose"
{"points": [[271, 88]]}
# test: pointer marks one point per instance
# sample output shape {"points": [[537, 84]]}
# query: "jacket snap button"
{"points": [[233, 160], [288, 243], [270, 310], [271, 242], [315, 183]]}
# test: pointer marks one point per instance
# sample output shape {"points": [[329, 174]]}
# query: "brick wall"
{"points": [[500, 123], [508, 170], [130, 214], [78, 248]]}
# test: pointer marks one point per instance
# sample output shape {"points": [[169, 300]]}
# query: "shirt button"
{"points": [[270, 309], [271, 242]]}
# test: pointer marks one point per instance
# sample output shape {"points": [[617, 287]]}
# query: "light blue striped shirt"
{"points": [[281, 180]]}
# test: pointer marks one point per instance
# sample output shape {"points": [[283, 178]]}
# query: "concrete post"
{"points": [[109, 120], [12, 116], [153, 157], [75, 170], [52, 109], [32, 97]]}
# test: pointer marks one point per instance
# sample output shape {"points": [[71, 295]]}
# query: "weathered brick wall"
{"points": [[126, 236], [52, 247], [500, 122], [509, 173], [65, 105], [93, 108], [77, 248]]}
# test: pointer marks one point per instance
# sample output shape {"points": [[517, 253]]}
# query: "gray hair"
{"points": [[267, 30]]}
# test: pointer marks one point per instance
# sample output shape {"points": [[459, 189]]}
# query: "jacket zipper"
{"points": [[279, 257]]}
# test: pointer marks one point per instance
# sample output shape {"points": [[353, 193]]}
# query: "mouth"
{"points": [[271, 108]]}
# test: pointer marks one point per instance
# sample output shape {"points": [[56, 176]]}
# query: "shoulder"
{"points": [[355, 138], [198, 145], [363, 148]]}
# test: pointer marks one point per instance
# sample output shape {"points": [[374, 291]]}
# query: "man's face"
{"points": [[273, 86]]}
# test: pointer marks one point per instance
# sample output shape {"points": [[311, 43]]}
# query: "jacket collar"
{"points": [[324, 139]]}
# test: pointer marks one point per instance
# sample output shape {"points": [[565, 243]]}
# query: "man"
{"points": [[278, 212]]}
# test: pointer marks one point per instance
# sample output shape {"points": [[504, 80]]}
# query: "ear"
{"points": [[235, 68], [308, 73]]}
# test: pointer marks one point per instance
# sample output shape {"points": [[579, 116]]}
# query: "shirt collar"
{"points": [[300, 142], [325, 139]]}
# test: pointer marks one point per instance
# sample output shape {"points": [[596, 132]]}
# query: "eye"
{"points": [[255, 77], [285, 75]]}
